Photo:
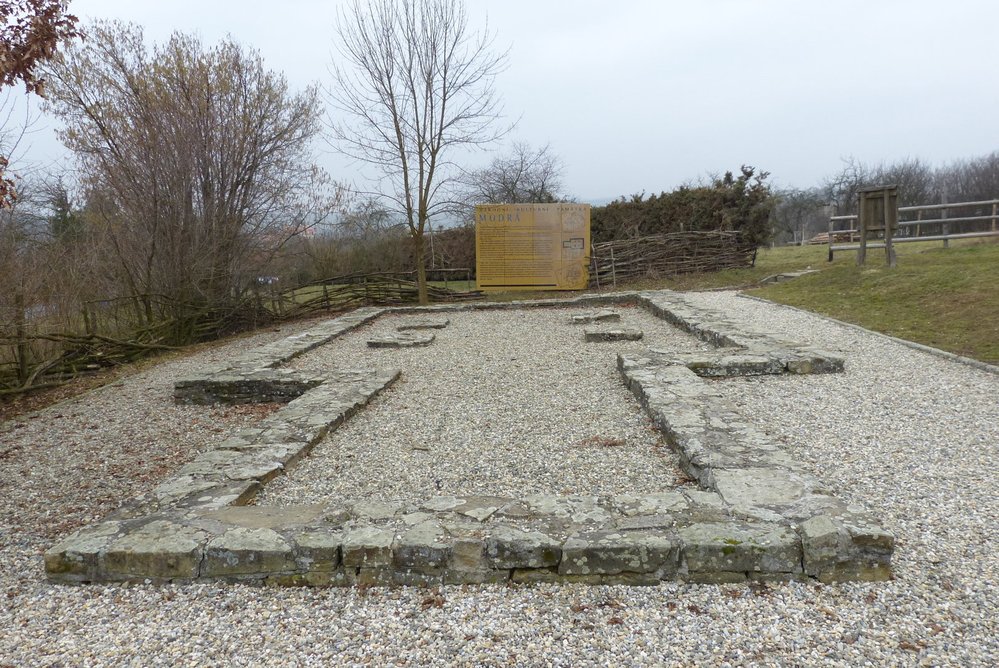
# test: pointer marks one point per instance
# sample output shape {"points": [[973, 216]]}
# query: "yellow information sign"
{"points": [[532, 246]]}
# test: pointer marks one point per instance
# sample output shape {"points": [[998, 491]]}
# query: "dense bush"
{"points": [[742, 203]]}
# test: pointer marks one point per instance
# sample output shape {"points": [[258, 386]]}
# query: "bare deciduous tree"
{"points": [[915, 179], [200, 156], [415, 85], [523, 175], [799, 215]]}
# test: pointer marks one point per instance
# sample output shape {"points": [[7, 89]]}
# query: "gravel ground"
{"points": [[909, 434], [487, 410]]}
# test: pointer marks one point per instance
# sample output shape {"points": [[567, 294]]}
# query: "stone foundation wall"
{"points": [[755, 515]]}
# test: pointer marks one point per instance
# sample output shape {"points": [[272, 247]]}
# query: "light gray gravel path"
{"points": [[502, 403], [913, 436]]}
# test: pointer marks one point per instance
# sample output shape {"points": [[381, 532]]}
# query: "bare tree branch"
{"points": [[414, 85]]}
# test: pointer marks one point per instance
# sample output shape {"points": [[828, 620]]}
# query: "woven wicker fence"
{"points": [[48, 350], [613, 262]]}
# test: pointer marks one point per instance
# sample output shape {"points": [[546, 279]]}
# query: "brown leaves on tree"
{"points": [[30, 32]]}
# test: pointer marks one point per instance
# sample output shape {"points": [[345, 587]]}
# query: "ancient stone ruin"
{"points": [[756, 513]]}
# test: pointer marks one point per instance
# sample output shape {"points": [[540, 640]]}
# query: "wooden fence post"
{"points": [[20, 333], [945, 227], [613, 269], [862, 230], [891, 220]]}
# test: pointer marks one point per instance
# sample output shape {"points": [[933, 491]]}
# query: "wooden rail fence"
{"points": [[938, 225]]}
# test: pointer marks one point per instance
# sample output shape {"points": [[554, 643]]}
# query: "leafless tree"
{"points": [[363, 239], [415, 86], [971, 180], [522, 175], [199, 158], [916, 181], [799, 215]]}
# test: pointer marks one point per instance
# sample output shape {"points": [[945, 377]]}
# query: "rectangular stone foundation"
{"points": [[756, 515]]}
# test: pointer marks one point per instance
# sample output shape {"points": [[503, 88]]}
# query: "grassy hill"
{"points": [[947, 298]]}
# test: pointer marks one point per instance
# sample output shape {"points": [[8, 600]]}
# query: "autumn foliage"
{"points": [[30, 33]]}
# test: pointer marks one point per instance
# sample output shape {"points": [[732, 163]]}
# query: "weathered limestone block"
{"points": [[387, 577], [260, 465], [709, 365], [245, 387], [737, 547], [267, 517], [659, 522], [428, 323], [247, 551], [716, 577], [630, 505], [508, 547], [421, 549], [160, 550], [611, 552], [375, 510], [229, 493], [368, 547], [534, 575], [475, 577], [604, 335], [467, 554], [576, 509], [624, 579], [763, 487], [603, 315], [402, 340], [838, 549], [312, 578], [481, 508], [76, 557]]}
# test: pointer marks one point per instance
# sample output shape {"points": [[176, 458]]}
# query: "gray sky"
{"points": [[641, 95]]}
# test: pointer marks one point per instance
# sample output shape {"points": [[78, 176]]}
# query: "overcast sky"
{"points": [[639, 95]]}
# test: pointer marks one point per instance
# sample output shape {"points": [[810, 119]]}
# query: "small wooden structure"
{"points": [[877, 219]]}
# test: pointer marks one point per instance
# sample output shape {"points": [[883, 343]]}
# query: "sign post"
{"points": [[532, 246]]}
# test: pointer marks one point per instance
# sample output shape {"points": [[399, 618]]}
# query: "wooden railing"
{"points": [[939, 225]]}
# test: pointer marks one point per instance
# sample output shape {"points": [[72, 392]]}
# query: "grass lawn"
{"points": [[945, 298]]}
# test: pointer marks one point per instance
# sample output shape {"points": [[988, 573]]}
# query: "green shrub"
{"points": [[742, 203]]}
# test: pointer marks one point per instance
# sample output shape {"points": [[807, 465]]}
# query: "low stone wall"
{"points": [[252, 376], [754, 477], [683, 534], [756, 514]]}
